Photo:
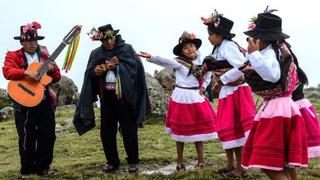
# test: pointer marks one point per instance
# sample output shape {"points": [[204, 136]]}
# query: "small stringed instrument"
{"points": [[29, 92]]}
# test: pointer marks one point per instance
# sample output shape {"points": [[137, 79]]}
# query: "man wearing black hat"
{"points": [[35, 125], [116, 74]]}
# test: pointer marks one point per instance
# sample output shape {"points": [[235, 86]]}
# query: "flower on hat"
{"points": [[253, 20], [213, 19], [187, 36], [31, 27], [36, 25], [97, 35]]}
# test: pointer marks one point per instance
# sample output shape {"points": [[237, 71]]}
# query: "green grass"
{"points": [[81, 157]]}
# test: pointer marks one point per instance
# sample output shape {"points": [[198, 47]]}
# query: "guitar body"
{"points": [[26, 91]]}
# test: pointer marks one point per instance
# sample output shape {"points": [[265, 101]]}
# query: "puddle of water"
{"points": [[169, 169]]}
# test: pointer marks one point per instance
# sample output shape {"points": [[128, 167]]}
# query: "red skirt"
{"points": [[277, 138], [235, 116], [190, 117], [312, 125]]}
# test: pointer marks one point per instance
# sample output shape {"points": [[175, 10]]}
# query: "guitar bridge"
{"points": [[26, 89]]}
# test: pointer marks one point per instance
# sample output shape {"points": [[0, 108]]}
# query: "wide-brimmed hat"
{"points": [[186, 38], [218, 24], [29, 32], [103, 32], [267, 27]]}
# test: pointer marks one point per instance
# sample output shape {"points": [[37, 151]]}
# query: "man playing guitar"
{"points": [[35, 125]]}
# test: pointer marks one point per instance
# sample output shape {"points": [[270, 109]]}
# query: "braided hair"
{"points": [[301, 74]]}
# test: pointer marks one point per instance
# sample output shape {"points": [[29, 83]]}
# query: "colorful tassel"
{"points": [[71, 53]]}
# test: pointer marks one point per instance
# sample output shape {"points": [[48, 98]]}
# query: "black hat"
{"points": [[29, 32], [267, 28], [186, 38], [223, 26], [103, 32], [218, 24]]}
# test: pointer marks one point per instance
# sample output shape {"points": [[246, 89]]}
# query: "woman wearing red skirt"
{"points": [[277, 141], [236, 108], [190, 116]]}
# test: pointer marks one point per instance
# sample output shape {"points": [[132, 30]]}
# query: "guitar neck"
{"points": [[44, 68]]}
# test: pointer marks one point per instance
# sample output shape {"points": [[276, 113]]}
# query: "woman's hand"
{"points": [[204, 68], [144, 54], [253, 46]]}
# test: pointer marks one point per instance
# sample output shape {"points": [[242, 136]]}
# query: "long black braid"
{"points": [[301, 74], [276, 49]]}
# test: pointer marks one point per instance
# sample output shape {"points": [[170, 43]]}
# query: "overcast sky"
{"points": [[155, 26]]}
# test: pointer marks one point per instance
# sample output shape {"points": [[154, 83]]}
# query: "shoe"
{"points": [[108, 168], [132, 168], [180, 167]]}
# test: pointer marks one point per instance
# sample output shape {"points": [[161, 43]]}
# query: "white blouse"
{"points": [[181, 72], [229, 51], [265, 63]]}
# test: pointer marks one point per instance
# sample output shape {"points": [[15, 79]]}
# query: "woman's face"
{"points": [[262, 44], [214, 38], [189, 50]]}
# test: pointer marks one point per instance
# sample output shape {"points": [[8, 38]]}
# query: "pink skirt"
{"points": [[312, 125], [277, 138], [235, 116], [190, 117]]}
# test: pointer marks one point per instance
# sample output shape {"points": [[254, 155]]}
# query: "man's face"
{"points": [[30, 46], [108, 44]]}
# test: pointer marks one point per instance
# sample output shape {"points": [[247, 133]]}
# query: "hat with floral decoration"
{"points": [[186, 38], [29, 32]]}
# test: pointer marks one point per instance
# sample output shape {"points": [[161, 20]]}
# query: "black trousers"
{"points": [[114, 111], [36, 131]]}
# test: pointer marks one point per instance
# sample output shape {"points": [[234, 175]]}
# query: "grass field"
{"points": [[82, 157]]}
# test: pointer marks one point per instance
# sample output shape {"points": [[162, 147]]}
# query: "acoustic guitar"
{"points": [[29, 92]]}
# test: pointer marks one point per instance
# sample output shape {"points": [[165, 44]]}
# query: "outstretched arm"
{"points": [[161, 61]]}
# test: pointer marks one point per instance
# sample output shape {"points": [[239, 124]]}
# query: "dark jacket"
{"points": [[133, 85]]}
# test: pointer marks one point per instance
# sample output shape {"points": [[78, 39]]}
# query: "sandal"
{"points": [[46, 172], [199, 166], [133, 168], [230, 174], [108, 168], [224, 170], [180, 167]]}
